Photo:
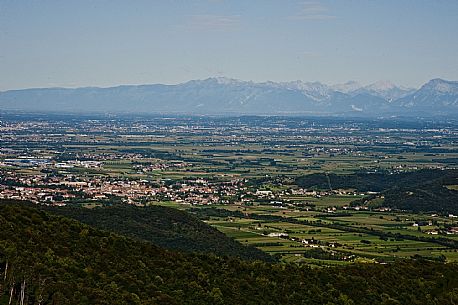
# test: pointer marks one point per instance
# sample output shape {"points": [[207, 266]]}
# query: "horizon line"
{"points": [[222, 77]]}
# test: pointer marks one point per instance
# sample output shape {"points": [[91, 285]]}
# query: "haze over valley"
{"points": [[230, 96]]}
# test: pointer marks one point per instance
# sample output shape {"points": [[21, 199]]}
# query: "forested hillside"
{"points": [[429, 197], [380, 181], [49, 259], [418, 191], [166, 227]]}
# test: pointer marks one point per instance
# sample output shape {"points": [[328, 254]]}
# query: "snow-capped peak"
{"points": [[314, 90], [347, 87], [442, 86], [381, 85], [222, 80], [386, 90]]}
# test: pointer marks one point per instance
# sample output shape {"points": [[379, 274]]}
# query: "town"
{"points": [[253, 170]]}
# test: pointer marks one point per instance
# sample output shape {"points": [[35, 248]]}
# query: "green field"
{"points": [[361, 246]]}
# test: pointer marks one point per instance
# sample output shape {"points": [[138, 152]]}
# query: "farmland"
{"points": [[305, 190], [344, 245]]}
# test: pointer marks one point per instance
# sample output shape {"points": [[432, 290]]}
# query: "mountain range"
{"points": [[222, 95]]}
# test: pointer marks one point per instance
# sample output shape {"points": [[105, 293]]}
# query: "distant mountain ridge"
{"points": [[437, 93], [222, 95]]}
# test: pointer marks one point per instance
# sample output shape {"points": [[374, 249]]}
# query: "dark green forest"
{"points": [[428, 197], [51, 259], [166, 227], [418, 191], [378, 181]]}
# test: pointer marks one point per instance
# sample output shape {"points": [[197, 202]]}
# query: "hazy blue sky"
{"points": [[104, 43]]}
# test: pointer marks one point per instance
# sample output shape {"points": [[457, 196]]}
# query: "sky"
{"points": [[108, 42]]}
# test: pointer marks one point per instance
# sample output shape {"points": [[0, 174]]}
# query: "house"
{"points": [[452, 230], [277, 234]]}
